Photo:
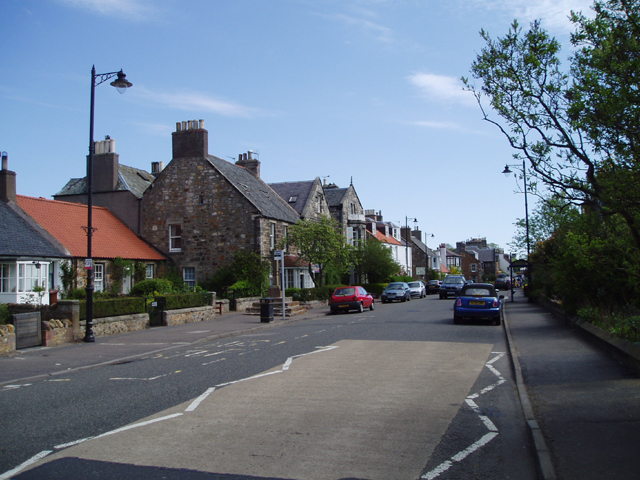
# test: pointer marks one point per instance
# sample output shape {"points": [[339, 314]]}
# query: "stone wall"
{"points": [[187, 315], [7, 339], [56, 332], [120, 324]]}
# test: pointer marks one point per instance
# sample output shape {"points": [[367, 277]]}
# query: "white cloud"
{"points": [[196, 102], [381, 32], [553, 13], [441, 88], [439, 125], [130, 9]]}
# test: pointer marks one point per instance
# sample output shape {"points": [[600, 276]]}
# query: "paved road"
{"points": [[395, 393]]}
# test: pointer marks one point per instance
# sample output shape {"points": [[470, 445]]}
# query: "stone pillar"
{"points": [[71, 309]]}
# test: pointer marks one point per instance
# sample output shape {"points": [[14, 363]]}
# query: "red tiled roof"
{"points": [[381, 237], [111, 237]]}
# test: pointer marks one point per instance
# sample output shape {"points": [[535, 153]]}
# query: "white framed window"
{"points": [[350, 236], [175, 238], [474, 267], [150, 270], [8, 277], [31, 275], [288, 278], [189, 276], [272, 236], [98, 277]]}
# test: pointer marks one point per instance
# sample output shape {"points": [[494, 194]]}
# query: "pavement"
{"points": [[580, 402]]}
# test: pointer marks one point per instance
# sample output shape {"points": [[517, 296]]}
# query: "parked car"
{"points": [[478, 301], [417, 289], [396, 291], [452, 285], [502, 282], [433, 286], [351, 298]]}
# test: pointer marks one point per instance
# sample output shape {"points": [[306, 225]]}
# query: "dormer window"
{"points": [[293, 199]]}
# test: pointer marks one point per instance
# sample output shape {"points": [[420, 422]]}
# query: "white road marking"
{"points": [[24, 465], [142, 424], [71, 444], [197, 401], [13, 387], [493, 430]]}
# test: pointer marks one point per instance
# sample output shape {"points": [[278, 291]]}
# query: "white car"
{"points": [[418, 289]]}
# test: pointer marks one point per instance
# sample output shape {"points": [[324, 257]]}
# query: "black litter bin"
{"points": [[266, 310]]}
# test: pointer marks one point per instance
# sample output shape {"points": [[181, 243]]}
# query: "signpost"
{"points": [[279, 256]]}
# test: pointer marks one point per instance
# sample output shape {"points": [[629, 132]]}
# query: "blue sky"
{"points": [[362, 89]]}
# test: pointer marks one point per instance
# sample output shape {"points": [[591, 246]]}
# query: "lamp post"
{"points": [[428, 265], [506, 172], [121, 83], [406, 247]]}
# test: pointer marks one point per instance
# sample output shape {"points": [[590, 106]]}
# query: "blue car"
{"points": [[478, 301]]}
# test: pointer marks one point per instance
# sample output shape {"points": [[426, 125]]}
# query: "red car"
{"points": [[350, 298]]}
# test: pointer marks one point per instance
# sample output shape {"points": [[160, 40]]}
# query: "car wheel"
{"points": [[409, 298], [372, 306], [360, 308], [456, 320], [334, 311], [496, 321], [384, 301]]}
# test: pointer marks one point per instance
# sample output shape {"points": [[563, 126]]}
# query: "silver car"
{"points": [[396, 291], [418, 289]]}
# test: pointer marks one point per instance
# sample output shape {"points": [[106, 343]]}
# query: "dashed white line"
{"points": [[493, 430]]}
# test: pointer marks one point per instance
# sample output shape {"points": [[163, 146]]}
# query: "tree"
{"points": [[375, 261], [545, 219], [320, 243], [578, 130], [247, 268]]}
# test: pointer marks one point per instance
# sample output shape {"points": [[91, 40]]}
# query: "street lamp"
{"points": [[506, 172], [408, 234], [121, 83], [426, 245]]}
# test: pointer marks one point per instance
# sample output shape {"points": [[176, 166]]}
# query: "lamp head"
{"points": [[506, 170], [121, 83]]}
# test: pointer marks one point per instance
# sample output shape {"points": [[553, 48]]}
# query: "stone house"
{"points": [[346, 209], [201, 209], [308, 199], [115, 186]]}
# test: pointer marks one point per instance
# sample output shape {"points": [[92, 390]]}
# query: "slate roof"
{"points": [[485, 255], [64, 221], [295, 194], [418, 243], [255, 190], [130, 179], [20, 236], [334, 196]]}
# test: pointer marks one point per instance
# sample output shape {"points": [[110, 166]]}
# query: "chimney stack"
{"points": [[106, 165], [190, 139], [156, 168], [247, 161], [7, 181]]}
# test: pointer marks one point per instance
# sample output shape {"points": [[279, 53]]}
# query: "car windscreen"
{"points": [[414, 284], [345, 291], [478, 292], [395, 286], [454, 280]]}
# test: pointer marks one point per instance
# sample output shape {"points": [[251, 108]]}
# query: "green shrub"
{"points": [[401, 278], [5, 316], [300, 294], [375, 288], [114, 307], [151, 287], [187, 300]]}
